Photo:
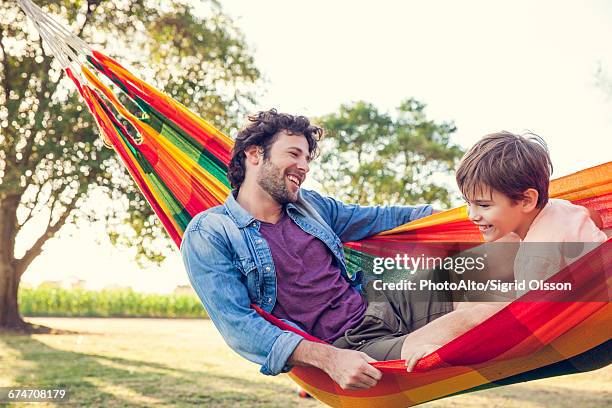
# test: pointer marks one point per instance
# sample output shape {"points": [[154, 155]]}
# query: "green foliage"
{"points": [[370, 157], [59, 302], [52, 161]]}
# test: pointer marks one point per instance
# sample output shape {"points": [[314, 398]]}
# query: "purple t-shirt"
{"points": [[310, 290]]}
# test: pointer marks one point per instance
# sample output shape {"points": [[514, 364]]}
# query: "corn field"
{"points": [[59, 302]]}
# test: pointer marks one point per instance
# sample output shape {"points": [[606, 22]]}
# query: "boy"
{"points": [[505, 178]]}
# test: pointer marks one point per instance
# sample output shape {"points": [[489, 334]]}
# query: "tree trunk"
{"points": [[9, 274], [9, 307]]}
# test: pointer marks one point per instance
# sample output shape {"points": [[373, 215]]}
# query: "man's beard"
{"points": [[272, 181]]}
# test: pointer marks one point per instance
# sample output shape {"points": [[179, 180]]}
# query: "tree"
{"points": [[371, 157], [51, 157]]}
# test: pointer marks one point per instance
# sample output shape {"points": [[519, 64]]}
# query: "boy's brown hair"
{"points": [[507, 163]]}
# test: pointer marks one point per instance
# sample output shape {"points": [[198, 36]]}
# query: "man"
{"points": [[278, 246]]}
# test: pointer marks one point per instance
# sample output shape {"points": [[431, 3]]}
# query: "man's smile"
{"points": [[295, 179]]}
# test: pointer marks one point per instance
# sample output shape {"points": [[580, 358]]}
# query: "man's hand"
{"points": [[412, 354], [349, 368], [352, 370]]}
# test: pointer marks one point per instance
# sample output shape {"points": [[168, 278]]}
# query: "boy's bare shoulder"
{"points": [[564, 205], [569, 222]]}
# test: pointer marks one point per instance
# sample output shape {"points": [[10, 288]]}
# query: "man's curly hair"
{"points": [[262, 130]]}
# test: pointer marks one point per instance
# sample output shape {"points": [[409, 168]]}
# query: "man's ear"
{"points": [[530, 199], [253, 154]]}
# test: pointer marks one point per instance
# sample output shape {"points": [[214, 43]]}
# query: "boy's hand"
{"points": [[412, 354]]}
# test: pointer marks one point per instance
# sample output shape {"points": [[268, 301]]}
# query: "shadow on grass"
{"points": [[551, 396], [95, 380], [98, 380]]}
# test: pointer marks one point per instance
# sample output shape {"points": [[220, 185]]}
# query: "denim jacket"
{"points": [[230, 265]]}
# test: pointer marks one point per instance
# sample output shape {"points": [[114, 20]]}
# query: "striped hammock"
{"points": [[179, 162]]}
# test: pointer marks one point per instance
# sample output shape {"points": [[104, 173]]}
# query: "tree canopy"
{"points": [[372, 157], [52, 160]]}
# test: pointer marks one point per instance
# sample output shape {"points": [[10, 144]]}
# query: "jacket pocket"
{"points": [[250, 274]]}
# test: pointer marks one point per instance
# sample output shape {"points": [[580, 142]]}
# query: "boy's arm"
{"points": [[437, 333]]}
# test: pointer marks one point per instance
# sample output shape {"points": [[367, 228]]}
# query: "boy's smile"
{"points": [[495, 214]]}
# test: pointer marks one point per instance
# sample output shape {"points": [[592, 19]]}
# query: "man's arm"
{"points": [[435, 334], [348, 368], [223, 293], [217, 283], [354, 222]]}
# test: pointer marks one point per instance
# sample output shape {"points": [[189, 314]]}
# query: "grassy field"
{"points": [[175, 363]]}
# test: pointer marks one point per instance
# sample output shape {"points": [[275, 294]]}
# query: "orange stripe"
{"points": [[588, 334]]}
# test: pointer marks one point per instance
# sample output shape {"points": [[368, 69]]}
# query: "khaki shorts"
{"points": [[390, 316]]}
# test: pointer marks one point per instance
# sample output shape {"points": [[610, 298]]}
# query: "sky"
{"points": [[486, 65]]}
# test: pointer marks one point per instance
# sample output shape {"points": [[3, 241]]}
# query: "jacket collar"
{"points": [[242, 217]]}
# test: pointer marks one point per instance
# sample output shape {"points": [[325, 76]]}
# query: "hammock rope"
{"points": [[179, 162]]}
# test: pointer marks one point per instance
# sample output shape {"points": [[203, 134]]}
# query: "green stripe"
{"points": [[187, 144], [177, 210], [166, 127]]}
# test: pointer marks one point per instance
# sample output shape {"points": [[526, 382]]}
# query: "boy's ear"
{"points": [[530, 199]]}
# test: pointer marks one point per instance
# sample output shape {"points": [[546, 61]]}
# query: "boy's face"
{"points": [[495, 214]]}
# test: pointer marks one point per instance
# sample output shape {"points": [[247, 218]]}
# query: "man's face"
{"points": [[495, 214], [284, 170]]}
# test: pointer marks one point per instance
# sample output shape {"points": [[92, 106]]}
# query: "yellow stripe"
{"points": [[154, 192], [218, 135], [216, 187], [585, 336], [454, 215], [138, 169], [584, 184]]}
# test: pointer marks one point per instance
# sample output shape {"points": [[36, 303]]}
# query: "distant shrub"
{"points": [[59, 302]]}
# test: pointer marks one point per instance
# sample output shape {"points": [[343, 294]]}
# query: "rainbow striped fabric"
{"points": [[179, 162]]}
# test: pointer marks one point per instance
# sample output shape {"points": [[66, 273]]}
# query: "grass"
{"points": [[176, 363]]}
